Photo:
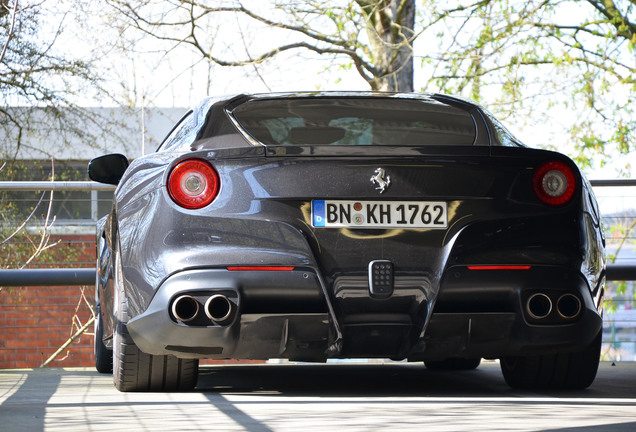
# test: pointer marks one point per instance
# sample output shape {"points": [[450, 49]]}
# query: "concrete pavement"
{"points": [[386, 397]]}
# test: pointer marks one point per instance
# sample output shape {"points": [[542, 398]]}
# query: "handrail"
{"points": [[621, 272], [26, 277], [90, 185], [613, 182], [54, 186], [47, 277]]}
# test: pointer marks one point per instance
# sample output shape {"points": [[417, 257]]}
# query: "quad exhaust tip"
{"points": [[540, 306], [219, 309], [185, 308], [569, 306]]}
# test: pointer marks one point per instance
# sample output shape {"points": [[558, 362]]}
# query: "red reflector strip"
{"points": [[260, 268], [500, 267]]}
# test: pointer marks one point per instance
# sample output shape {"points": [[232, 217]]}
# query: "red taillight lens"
{"points": [[193, 183], [554, 183], [499, 267], [260, 268]]}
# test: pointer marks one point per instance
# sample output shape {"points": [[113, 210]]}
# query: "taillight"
{"points": [[193, 183], [554, 183], [499, 267], [260, 268]]}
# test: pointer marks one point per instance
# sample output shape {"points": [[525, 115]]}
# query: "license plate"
{"points": [[379, 214]]}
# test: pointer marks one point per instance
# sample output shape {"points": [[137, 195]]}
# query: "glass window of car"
{"points": [[180, 132], [355, 121], [504, 137]]}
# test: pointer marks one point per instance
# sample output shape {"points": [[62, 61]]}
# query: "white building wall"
{"points": [[110, 130]]}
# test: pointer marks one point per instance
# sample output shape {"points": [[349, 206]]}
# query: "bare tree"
{"points": [[376, 37], [520, 58], [43, 85]]}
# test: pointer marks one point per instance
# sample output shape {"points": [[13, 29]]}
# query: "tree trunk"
{"points": [[390, 28]]}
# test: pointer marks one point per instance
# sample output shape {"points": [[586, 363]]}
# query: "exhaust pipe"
{"points": [[539, 306], [219, 309], [185, 308], [569, 306]]}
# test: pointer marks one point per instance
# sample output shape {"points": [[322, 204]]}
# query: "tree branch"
{"points": [[13, 12], [608, 9]]}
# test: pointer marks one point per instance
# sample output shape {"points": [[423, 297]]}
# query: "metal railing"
{"points": [[62, 186], [47, 277], [86, 276], [613, 182], [619, 326]]}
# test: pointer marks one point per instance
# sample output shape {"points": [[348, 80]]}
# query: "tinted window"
{"points": [[504, 137], [180, 133], [355, 122]]}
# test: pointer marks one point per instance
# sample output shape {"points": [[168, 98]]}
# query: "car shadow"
{"points": [[351, 380], [395, 380]]}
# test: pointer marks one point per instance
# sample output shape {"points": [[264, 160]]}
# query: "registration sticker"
{"points": [[379, 214]]}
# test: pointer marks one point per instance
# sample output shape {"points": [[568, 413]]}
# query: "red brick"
{"points": [[42, 317], [60, 329], [16, 343], [26, 322], [48, 341], [27, 335], [48, 322], [18, 356], [82, 356], [69, 292]]}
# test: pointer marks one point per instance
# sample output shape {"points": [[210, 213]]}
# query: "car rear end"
{"points": [[367, 227]]}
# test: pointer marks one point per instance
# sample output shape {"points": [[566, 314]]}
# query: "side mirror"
{"points": [[108, 169]]}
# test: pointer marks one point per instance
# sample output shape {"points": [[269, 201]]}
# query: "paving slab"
{"points": [[305, 397]]}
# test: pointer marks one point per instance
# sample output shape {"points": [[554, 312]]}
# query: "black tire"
{"points": [[136, 371], [103, 356], [454, 364], [562, 371]]}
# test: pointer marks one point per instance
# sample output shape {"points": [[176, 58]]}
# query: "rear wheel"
{"points": [[566, 371], [134, 370], [454, 364]]}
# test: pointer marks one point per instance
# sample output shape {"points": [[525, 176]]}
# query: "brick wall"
{"points": [[36, 321]]}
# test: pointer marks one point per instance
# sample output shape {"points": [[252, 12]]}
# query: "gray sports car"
{"points": [[315, 226]]}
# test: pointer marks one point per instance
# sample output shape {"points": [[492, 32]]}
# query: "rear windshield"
{"points": [[355, 122]]}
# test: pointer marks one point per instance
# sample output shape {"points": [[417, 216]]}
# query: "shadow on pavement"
{"points": [[392, 380]]}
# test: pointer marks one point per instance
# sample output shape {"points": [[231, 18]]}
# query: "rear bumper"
{"points": [[269, 312], [496, 335], [285, 315], [488, 313]]}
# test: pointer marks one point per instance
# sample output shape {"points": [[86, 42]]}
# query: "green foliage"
{"points": [[526, 59]]}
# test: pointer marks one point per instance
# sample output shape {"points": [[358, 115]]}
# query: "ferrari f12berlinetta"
{"points": [[316, 226]]}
